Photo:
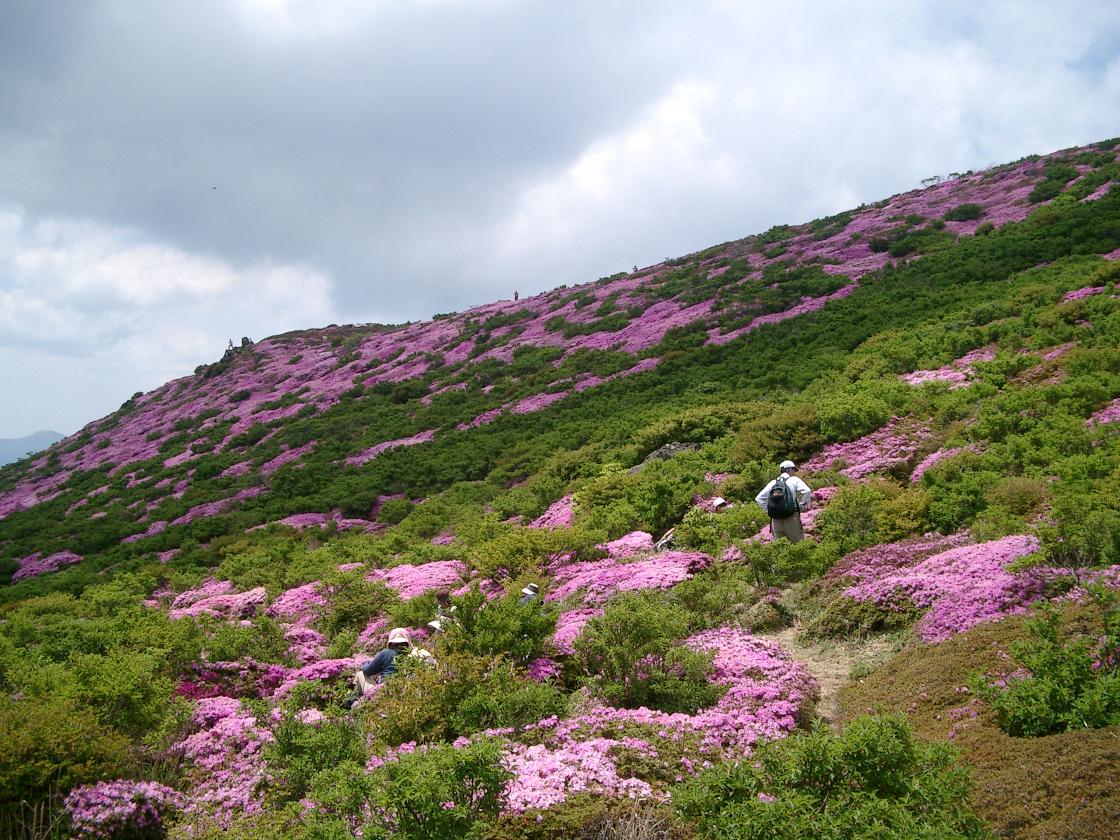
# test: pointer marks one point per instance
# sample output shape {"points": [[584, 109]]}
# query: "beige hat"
{"points": [[398, 635]]}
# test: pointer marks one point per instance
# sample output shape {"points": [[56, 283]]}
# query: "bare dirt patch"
{"points": [[832, 662]]}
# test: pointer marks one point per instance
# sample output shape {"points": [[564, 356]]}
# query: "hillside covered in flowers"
{"points": [[190, 583]]}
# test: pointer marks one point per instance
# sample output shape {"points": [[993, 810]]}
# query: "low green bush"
{"points": [[56, 743], [300, 750], [874, 780], [503, 699], [632, 657], [964, 213], [352, 601], [712, 533], [435, 793], [781, 562], [500, 627], [1059, 685]]}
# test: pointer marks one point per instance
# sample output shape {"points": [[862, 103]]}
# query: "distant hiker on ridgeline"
{"points": [[783, 499], [383, 666]]}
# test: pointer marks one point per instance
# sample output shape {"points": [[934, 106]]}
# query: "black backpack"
{"points": [[781, 502]]}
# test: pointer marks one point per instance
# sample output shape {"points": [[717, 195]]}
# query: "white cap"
{"points": [[398, 635], [787, 465], [719, 502], [530, 589], [435, 625]]}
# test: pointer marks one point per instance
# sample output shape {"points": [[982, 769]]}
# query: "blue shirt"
{"points": [[383, 664]]}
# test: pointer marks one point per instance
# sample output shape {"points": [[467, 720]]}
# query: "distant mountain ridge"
{"points": [[12, 449], [339, 400]]}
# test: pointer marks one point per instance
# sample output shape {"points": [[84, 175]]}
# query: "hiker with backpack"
{"points": [[783, 499]]}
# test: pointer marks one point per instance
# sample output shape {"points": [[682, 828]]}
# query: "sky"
{"points": [[174, 175]]}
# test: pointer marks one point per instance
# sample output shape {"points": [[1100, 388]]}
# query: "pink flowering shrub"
{"points": [[121, 808], [568, 627], [227, 606], [34, 565], [936, 458], [558, 515], [410, 581], [629, 545], [225, 764], [957, 373], [1082, 293], [229, 680], [1109, 414], [546, 776], [375, 450], [959, 587], [881, 451], [542, 669], [599, 579]]}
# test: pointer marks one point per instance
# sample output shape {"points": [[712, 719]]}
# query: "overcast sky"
{"points": [[176, 174]]}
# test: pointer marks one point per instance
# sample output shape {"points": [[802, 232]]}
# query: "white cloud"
{"points": [[88, 302], [792, 113]]}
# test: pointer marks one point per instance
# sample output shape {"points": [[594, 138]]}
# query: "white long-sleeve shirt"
{"points": [[800, 489]]}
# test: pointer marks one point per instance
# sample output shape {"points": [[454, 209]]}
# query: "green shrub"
{"points": [[301, 750], [716, 595], [632, 659], [714, 532], [1084, 532], [500, 627], [839, 616], [873, 780], [125, 689], [435, 793], [512, 552], [779, 432], [502, 699], [1019, 494], [782, 562], [352, 601], [848, 521], [1067, 685], [394, 511], [415, 704], [263, 641], [964, 213], [56, 743]]}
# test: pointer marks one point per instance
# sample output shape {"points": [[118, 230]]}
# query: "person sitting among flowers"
{"points": [[384, 665]]}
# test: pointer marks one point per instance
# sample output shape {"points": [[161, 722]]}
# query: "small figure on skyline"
{"points": [[515, 295], [783, 499]]}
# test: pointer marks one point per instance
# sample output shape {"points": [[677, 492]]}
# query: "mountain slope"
{"points": [[12, 449], [943, 364]]}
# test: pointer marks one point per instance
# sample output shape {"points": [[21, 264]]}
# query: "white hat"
{"points": [[530, 589], [398, 635], [787, 465], [718, 502], [435, 625]]}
